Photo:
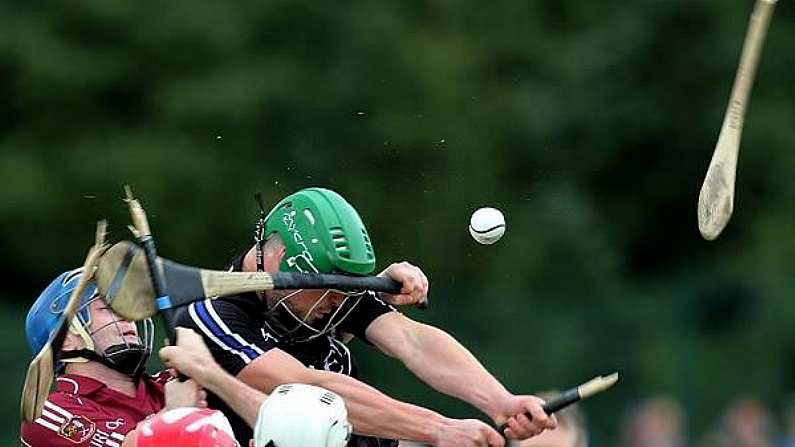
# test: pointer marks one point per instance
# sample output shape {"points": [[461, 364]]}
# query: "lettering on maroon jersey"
{"points": [[104, 439], [114, 425]]}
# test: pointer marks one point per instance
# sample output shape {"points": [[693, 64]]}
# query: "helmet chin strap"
{"points": [[77, 328], [127, 359]]}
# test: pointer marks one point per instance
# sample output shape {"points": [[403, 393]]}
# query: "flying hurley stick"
{"points": [[143, 233], [716, 199], [41, 370]]}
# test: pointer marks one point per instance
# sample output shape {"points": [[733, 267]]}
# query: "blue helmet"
{"points": [[43, 316], [126, 357]]}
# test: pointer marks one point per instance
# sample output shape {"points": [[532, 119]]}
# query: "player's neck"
{"points": [[109, 376]]}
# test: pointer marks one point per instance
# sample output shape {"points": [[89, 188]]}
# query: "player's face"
{"points": [[560, 437], [313, 305], [108, 329]]}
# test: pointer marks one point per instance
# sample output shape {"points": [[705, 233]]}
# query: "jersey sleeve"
{"points": [[231, 332], [370, 307], [66, 423]]}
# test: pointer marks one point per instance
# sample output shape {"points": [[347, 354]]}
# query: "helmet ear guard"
{"points": [[126, 357]]}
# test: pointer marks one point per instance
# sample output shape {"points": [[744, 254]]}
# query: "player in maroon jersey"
{"points": [[102, 389]]}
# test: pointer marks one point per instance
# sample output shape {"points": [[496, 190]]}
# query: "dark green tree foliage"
{"points": [[590, 124]]}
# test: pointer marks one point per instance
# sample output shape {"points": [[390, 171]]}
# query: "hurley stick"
{"points": [[716, 199], [41, 370]]}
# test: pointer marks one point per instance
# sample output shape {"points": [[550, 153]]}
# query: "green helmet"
{"points": [[322, 233]]}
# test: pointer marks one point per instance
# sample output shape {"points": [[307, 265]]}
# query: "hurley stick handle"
{"points": [[572, 395], [144, 235]]}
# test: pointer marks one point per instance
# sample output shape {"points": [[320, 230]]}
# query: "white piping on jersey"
{"points": [[53, 413], [209, 333], [225, 328], [56, 408], [52, 416], [47, 424]]}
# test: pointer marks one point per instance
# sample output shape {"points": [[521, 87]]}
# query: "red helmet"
{"points": [[186, 427]]}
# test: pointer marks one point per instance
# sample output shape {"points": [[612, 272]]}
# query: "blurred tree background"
{"points": [[590, 124]]}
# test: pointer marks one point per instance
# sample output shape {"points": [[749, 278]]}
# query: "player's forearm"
{"points": [[443, 363], [243, 399], [373, 413]]}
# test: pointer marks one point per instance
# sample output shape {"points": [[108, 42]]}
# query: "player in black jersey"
{"points": [[298, 336]]}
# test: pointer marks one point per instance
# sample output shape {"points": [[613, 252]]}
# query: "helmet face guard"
{"points": [[286, 323], [127, 357]]}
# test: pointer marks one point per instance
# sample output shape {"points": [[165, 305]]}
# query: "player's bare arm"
{"points": [[191, 357], [444, 364], [371, 412]]}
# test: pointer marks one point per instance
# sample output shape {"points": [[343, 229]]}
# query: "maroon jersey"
{"points": [[84, 412]]}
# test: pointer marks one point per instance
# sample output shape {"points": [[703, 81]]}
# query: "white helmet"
{"points": [[300, 415]]}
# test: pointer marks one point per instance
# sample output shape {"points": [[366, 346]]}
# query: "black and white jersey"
{"points": [[236, 332]]}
